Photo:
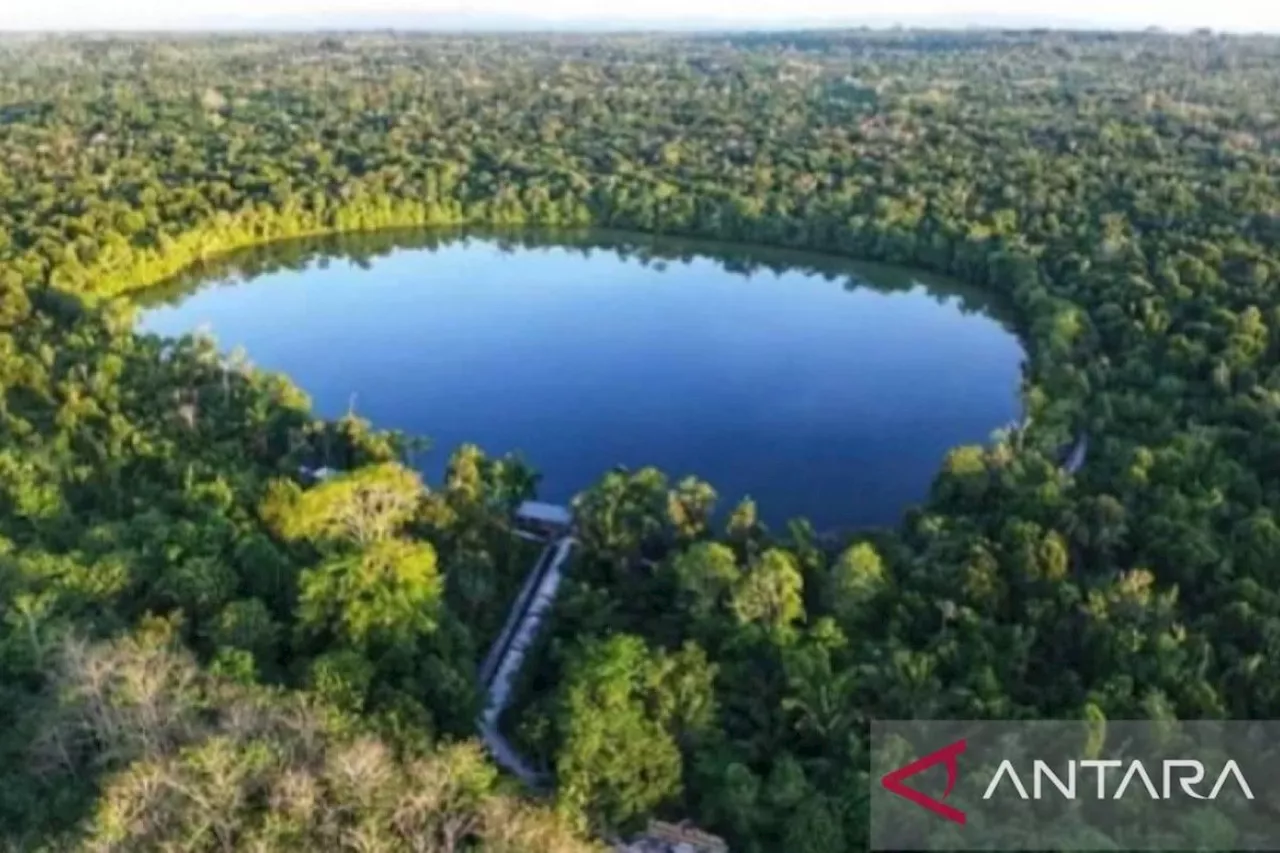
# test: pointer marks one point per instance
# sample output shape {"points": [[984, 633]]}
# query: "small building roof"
{"points": [[545, 513], [682, 837]]}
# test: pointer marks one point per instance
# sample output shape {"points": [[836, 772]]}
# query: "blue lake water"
{"points": [[821, 388]]}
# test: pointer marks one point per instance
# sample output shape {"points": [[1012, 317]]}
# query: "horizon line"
{"points": [[589, 27]]}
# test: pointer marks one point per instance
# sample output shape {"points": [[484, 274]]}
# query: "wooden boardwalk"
{"points": [[506, 658]]}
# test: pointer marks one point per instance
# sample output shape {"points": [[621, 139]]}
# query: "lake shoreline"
{"points": [[796, 387]]}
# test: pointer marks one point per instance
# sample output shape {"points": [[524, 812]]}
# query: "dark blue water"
{"points": [[833, 396]]}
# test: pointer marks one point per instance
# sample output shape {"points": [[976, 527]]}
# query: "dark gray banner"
{"points": [[1075, 785]]}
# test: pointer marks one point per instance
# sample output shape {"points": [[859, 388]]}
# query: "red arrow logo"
{"points": [[893, 781]]}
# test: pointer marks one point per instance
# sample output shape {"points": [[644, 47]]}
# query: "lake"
{"points": [[820, 387]]}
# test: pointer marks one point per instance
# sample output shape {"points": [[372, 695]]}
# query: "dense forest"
{"points": [[200, 652]]}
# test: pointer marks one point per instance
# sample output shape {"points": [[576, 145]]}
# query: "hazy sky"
{"points": [[1253, 15]]}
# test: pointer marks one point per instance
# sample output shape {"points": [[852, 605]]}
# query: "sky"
{"points": [[1234, 15]]}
